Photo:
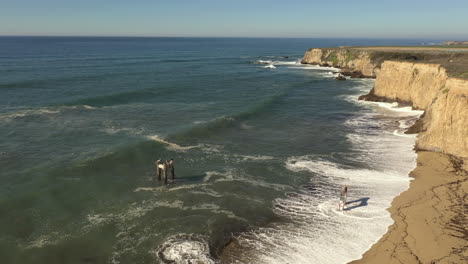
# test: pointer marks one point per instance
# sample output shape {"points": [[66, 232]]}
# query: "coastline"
{"points": [[428, 217], [236, 248]]}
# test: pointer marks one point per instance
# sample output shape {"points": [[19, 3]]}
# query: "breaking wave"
{"points": [[376, 172], [185, 249]]}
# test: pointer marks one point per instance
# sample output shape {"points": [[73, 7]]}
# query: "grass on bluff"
{"points": [[453, 60]]}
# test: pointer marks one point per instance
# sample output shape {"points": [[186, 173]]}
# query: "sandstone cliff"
{"points": [[349, 59], [444, 127], [426, 86], [367, 61], [415, 83], [429, 218]]}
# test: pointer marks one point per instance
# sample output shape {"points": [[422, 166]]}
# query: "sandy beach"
{"points": [[430, 217]]}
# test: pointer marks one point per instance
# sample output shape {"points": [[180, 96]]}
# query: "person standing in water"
{"points": [[170, 164], [343, 197]]}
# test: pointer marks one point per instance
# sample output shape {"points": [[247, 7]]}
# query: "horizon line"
{"points": [[248, 37]]}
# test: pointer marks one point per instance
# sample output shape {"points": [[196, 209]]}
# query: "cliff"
{"points": [[430, 222], [455, 43], [414, 83], [367, 61], [444, 127], [347, 58], [431, 79], [445, 124]]}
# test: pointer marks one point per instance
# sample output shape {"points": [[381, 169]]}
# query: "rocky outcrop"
{"points": [[358, 62], [340, 78]]}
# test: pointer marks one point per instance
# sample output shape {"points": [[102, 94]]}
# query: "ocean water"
{"points": [[261, 144]]}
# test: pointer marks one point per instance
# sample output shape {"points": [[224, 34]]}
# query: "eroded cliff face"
{"points": [[350, 59], [444, 127], [426, 86], [415, 83]]}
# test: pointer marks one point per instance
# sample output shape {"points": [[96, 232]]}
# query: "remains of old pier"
{"points": [[163, 167]]}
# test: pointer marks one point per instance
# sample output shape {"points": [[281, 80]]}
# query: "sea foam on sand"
{"points": [[317, 232]]}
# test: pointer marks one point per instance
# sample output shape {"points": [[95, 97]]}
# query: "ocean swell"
{"points": [[213, 127]]}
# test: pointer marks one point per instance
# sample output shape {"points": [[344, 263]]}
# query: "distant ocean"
{"points": [[261, 144]]}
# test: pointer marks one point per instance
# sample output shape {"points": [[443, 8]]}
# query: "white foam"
{"points": [[286, 63], [52, 238], [271, 64], [315, 67], [317, 230], [255, 158], [394, 108], [185, 249], [264, 62], [42, 111], [116, 130], [24, 113], [147, 189], [170, 145]]}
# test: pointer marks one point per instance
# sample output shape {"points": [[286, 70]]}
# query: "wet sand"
{"points": [[431, 219]]}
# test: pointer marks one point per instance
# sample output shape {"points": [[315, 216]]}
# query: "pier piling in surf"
{"points": [[162, 167]]}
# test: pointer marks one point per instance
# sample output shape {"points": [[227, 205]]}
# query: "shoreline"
{"points": [[428, 221], [234, 248], [428, 217]]}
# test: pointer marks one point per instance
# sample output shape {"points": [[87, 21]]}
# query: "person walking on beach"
{"points": [[343, 197]]}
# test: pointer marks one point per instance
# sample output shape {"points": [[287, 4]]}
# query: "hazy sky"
{"points": [[248, 18]]}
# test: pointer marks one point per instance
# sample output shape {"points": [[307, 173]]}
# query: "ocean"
{"points": [[261, 143]]}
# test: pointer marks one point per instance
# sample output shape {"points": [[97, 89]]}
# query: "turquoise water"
{"points": [[82, 121]]}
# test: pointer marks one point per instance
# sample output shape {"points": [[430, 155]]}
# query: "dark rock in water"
{"points": [[353, 74], [286, 57], [417, 127], [325, 65], [340, 78], [374, 98]]}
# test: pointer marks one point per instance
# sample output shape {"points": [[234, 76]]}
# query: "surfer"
{"points": [[343, 197]]}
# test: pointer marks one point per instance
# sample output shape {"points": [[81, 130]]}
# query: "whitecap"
{"points": [[185, 249], [170, 145]]}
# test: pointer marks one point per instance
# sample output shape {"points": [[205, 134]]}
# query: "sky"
{"points": [[447, 19]]}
